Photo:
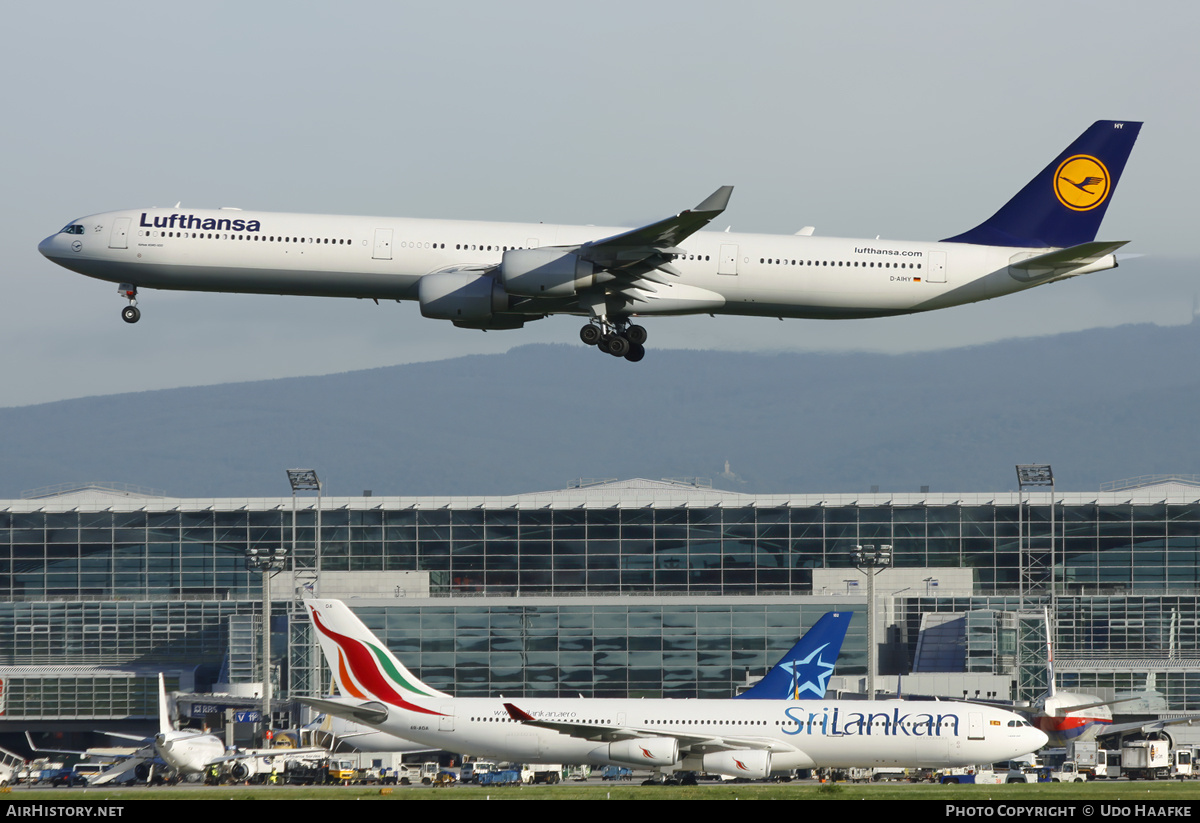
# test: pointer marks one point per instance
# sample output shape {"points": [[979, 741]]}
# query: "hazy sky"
{"points": [[907, 120]]}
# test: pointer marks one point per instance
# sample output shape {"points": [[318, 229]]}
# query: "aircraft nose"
{"points": [[46, 247]]}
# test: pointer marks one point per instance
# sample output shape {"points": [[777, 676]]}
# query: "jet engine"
{"points": [[751, 764], [545, 272], [643, 751], [462, 296], [243, 770]]}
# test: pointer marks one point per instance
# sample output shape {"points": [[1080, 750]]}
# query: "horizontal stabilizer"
{"points": [[1070, 258], [372, 713], [1068, 262]]}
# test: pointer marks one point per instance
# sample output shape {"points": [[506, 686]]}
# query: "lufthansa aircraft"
{"points": [[501, 275], [742, 738]]}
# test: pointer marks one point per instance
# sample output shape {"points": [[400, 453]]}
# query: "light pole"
{"points": [[266, 562], [871, 560]]}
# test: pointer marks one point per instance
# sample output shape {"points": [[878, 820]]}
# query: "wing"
{"points": [[1147, 726], [250, 754], [638, 263], [657, 243], [688, 743]]}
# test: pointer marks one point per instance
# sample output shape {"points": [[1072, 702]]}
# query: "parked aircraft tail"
{"points": [[164, 710], [362, 666], [1064, 204], [804, 671]]}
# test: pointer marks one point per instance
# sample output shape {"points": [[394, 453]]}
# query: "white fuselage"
{"points": [[230, 250], [798, 734], [188, 752]]}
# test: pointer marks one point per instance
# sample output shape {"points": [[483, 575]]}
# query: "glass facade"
{"points": [[627, 588], [641, 647], [739, 546]]}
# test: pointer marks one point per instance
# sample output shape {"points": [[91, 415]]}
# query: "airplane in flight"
{"points": [[740, 738], [490, 276]]}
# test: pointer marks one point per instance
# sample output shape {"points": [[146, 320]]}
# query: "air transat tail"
{"points": [[1064, 204], [362, 666], [804, 671]]}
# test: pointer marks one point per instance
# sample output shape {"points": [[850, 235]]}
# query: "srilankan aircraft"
{"points": [[482, 275], [803, 672], [740, 738]]}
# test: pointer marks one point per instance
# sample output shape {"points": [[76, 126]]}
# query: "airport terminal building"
{"points": [[654, 588]]}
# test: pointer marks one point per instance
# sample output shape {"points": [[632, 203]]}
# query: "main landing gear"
{"points": [[620, 339], [131, 313]]}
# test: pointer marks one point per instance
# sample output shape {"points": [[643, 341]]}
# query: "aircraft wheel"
{"points": [[636, 352], [618, 346], [602, 345], [636, 335], [590, 334], [131, 314]]}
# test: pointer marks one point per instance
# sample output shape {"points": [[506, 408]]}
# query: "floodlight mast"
{"points": [[306, 480], [305, 663], [1034, 573]]}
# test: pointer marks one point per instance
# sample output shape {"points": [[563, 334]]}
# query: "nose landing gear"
{"points": [[620, 339], [131, 313]]}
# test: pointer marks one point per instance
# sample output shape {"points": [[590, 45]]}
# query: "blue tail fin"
{"points": [[805, 670], [1063, 206]]}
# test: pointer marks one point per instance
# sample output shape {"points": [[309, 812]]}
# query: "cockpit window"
{"points": [[72, 228]]}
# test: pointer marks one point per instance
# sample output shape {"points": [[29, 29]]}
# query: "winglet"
{"points": [[518, 714], [717, 201]]}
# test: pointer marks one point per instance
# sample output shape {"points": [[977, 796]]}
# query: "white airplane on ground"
{"points": [[181, 751], [741, 738], [483, 275], [184, 752]]}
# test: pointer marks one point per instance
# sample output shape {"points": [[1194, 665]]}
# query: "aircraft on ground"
{"points": [[1068, 717], [171, 751], [482, 275], [181, 752], [805, 670], [741, 738]]}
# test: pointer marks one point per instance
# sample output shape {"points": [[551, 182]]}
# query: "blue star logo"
{"points": [[809, 675]]}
